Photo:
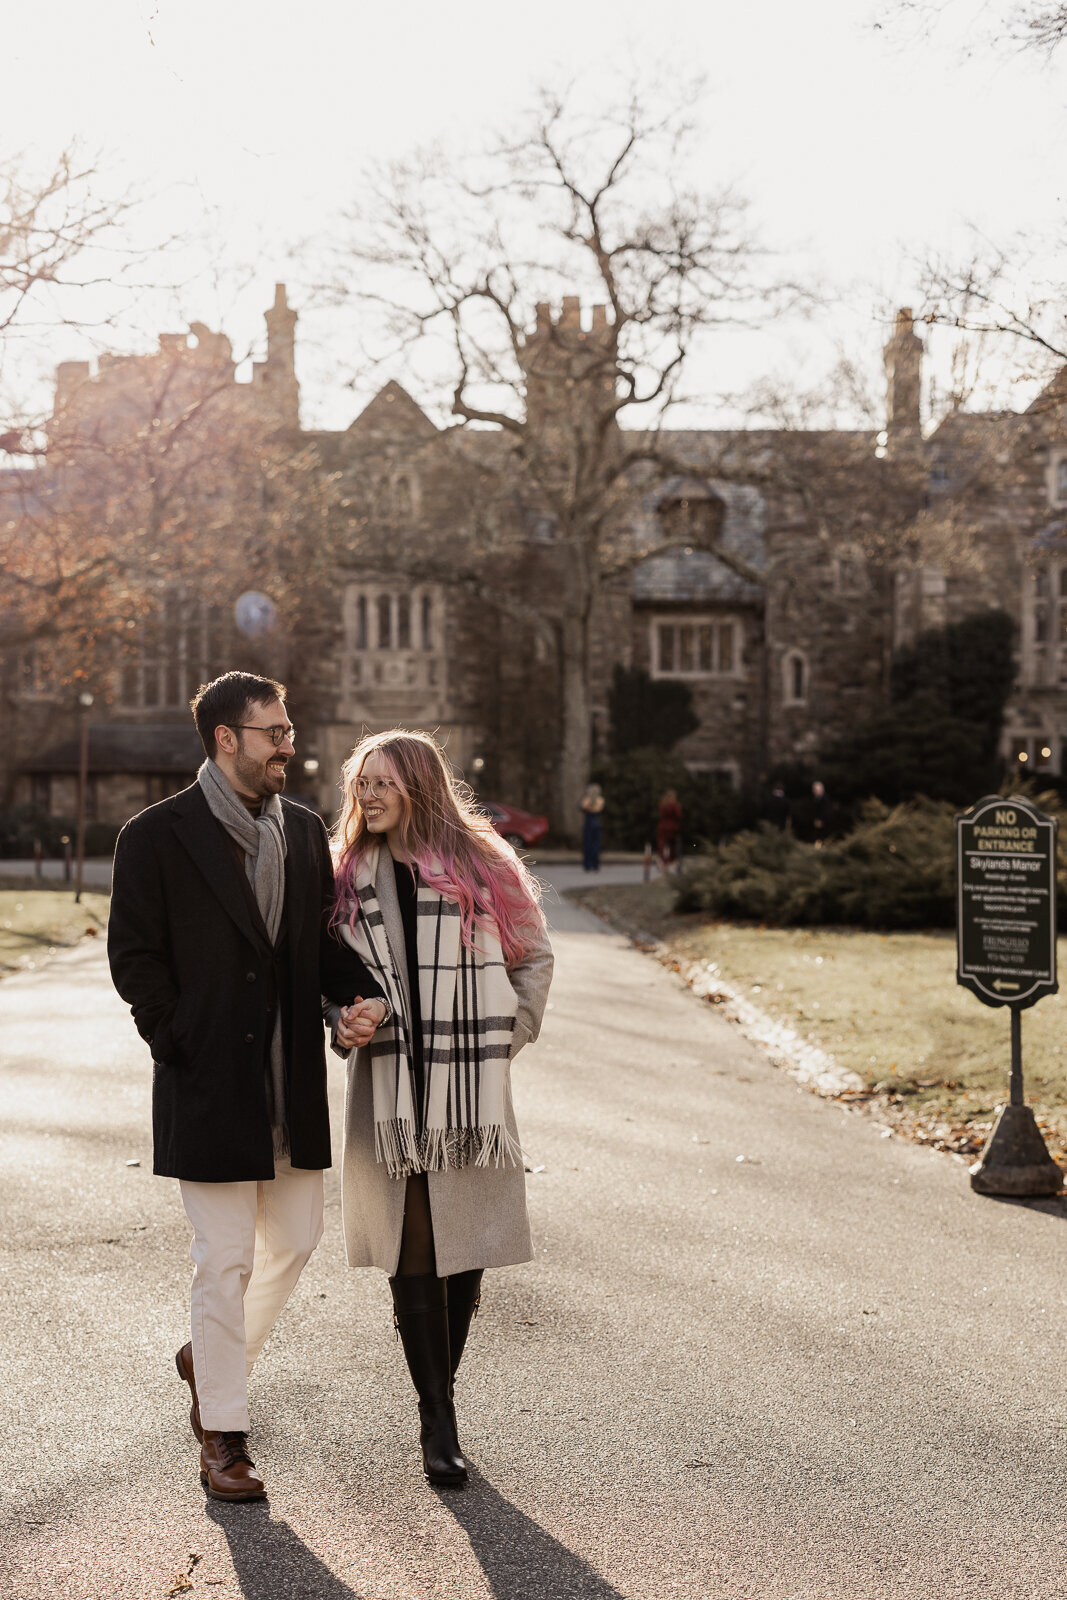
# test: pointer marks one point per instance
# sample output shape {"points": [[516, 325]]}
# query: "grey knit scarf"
{"points": [[262, 839]]}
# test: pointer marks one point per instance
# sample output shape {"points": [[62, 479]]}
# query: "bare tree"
{"points": [[61, 260], [160, 490], [1026, 24], [62, 251], [464, 264]]}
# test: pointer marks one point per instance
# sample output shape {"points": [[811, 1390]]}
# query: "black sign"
{"points": [[1006, 902]]}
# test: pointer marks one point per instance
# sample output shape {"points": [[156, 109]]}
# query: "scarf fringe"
{"points": [[439, 1149], [396, 1144]]}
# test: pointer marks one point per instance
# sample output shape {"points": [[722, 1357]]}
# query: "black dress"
{"points": [[407, 890]]}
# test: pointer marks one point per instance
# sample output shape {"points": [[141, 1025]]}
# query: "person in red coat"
{"points": [[668, 830]]}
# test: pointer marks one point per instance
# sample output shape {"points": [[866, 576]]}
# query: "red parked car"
{"points": [[518, 827]]}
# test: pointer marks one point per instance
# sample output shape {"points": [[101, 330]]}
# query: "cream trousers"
{"points": [[250, 1244]]}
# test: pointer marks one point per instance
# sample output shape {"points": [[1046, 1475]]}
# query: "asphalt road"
{"points": [[825, 1371]]}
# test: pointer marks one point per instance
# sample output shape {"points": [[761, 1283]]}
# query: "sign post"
{"points": [[1006, 955]]}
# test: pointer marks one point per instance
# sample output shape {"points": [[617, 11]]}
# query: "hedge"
{"points": [[896, 869], [21, 825]]}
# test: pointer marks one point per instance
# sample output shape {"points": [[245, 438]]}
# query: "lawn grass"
{"points": [[35, 923], [885, 1006]]}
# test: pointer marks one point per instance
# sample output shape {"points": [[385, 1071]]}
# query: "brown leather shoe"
{"points": [[184, 1363], [227, 1471]]}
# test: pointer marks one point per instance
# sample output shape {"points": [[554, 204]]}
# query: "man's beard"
{"points": [[255, 777]]}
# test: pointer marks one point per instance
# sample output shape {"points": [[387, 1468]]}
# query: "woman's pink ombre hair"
{"points": [[456, 849]]}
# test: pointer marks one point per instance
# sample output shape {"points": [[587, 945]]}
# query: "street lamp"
{"points": [[85, 701]]}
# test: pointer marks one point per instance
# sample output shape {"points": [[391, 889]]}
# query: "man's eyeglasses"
{"points": [[380, 788], [277, 730]]}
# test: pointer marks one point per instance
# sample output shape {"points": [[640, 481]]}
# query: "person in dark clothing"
{"points": [[592, 804], [219, 941], [777, 807]]}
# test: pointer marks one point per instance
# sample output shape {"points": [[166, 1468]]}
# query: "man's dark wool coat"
{"points": [[190, 955]]}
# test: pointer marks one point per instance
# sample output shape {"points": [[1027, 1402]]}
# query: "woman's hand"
{"points": [[357, 1022]]}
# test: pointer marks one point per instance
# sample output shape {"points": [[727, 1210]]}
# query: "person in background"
{"points": [[777, 807], [592, 804], [668, 830], [448, 922]]}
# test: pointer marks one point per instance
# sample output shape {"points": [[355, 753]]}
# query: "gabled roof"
{"points": [[691, 577], [393, 413], [690, 574], [1053, 396]]}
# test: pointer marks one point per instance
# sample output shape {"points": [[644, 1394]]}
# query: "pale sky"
{"points": [[858, 145]]}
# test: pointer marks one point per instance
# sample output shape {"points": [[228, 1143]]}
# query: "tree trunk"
{"points": [[575, 743]]}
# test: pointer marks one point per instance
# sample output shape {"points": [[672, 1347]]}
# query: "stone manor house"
{"points": [[782, 646]]}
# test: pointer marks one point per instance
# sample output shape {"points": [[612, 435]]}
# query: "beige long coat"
{"points": [[479, 1213]]}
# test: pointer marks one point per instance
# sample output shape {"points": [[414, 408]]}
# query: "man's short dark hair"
{"points": [[226, 700]]}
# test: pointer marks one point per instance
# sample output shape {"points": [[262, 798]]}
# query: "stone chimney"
{"points": [[275, 378], [903, 371]]}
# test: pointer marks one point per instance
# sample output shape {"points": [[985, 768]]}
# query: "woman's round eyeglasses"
{"points": [[380, 788]]}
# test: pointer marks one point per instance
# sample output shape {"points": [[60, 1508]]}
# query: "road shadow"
{"points": [[270, 1560], [520, 1560], [1053, 1205]]}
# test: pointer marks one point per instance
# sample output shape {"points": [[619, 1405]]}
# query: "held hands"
{"points": [[357, 1023]]}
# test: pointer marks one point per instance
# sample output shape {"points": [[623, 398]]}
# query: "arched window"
{"points": [[360, 639], [795, 678], [1061, 479], [385, 622], [427, 622], [403, 499]]}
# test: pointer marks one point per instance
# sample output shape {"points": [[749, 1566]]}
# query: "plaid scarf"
{"points": [[468, 1016]]}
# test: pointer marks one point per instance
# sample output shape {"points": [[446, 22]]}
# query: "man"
{"points": [[218, 940]]}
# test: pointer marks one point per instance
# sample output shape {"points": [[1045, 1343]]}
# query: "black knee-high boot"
{"points": [[420, 1306], [464, 1295]]}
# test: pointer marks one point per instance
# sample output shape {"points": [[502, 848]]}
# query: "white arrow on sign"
{"points": [[1000, 985]]}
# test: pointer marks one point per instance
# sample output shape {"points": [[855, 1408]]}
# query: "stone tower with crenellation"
{"points": [[570, 370]]}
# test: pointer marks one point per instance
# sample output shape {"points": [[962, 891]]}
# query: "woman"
{"points": [[668, 829], [448, 923], [592, 803]]}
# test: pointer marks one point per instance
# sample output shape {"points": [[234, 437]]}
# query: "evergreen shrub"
{"points": [[648, 712], [896, 869], [21, 825], [940, 733]]}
